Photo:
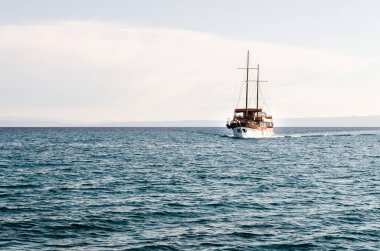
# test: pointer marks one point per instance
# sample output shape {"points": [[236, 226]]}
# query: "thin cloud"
{"points": [[95, 71]]}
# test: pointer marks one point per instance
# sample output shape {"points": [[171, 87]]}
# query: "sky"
{"points": [[97, 61]]}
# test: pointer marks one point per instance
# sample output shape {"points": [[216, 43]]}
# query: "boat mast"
{"points": [[246, 88], [257, 93]]}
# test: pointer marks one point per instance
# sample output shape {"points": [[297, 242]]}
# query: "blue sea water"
{"points": [[189, 189]]}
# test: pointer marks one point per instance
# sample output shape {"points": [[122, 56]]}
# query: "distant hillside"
{"points": [[183, 123], [354, 121]]}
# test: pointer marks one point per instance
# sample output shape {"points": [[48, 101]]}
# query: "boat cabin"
{"points": [[257, 116], [249, 113]]}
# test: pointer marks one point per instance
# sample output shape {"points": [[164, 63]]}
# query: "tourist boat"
{"points": [[251, 122]]}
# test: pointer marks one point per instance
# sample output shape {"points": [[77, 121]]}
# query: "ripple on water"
{"points": [[188, 188]]}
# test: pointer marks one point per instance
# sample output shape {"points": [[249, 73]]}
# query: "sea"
{"points": [[189, 189]]}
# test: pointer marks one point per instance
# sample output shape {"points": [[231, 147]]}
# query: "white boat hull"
{"points": [[245, 132]]}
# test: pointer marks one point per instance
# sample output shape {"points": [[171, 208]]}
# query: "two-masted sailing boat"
{"points": [[251, 122]]}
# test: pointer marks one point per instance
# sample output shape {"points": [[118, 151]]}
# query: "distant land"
{"points": [[353, 121]]}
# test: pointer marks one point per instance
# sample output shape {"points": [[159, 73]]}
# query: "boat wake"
{"points": [[327, 134], [315, 135]]}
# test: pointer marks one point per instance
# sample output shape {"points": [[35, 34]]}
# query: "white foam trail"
{"points": [[320, 134], [331, 134]]}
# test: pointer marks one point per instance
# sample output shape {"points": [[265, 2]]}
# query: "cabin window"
{"points": [[238, 130]]}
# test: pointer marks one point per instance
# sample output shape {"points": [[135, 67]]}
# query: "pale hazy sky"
{"points": [[176, 60]]}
